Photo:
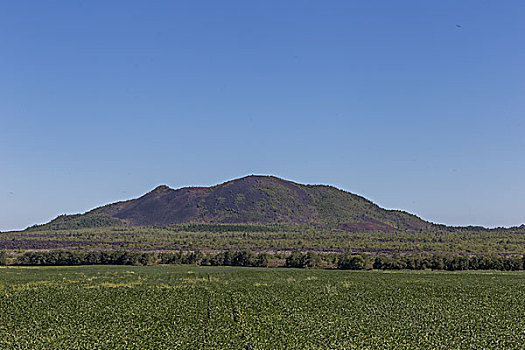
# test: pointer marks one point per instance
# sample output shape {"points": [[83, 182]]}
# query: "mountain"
{"points": [[248, 200]]}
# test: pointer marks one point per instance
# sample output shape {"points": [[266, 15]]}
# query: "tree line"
{"points": [[296, 259], [67, 258]]}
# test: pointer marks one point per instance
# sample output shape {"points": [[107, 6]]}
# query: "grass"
{"points": [[170, 307]]}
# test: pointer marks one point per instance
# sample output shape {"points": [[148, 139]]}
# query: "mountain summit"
{"points": [[253, 199]]}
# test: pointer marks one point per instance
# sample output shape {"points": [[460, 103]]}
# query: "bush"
{"points": [[351, 262], [311, 259], [296, 259], [3, 257]]}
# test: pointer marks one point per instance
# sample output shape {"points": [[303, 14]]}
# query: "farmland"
{"points": [[167, 307]]}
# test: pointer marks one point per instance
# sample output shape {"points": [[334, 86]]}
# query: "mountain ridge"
{"points": [[253, 199]]}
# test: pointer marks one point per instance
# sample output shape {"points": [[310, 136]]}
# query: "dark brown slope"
{"points": [[259, 199]]}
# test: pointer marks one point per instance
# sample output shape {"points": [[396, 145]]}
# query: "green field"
{"points": [[169, 307]]}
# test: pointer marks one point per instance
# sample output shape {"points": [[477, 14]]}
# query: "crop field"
{"points": [[171, 307]]}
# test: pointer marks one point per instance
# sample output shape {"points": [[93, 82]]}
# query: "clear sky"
{"points": [[416, 105]]}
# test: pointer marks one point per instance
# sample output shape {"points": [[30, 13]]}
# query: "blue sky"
{"points": [[103, 100]]}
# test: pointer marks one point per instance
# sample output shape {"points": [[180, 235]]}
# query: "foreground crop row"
{"points": [[167, 307]]}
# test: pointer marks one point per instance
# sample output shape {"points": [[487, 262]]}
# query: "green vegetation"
{"points": [[221, 237], [3, 257], [71, 222], [166, 307], [296, 259]]}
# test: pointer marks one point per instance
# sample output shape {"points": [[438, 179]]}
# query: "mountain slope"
{"points": [[254, 199]]}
